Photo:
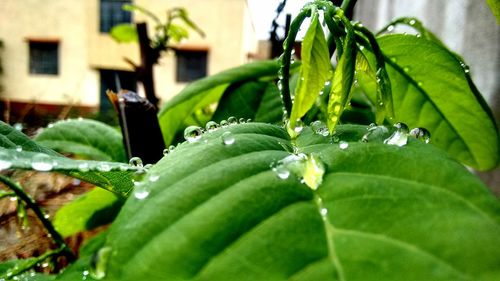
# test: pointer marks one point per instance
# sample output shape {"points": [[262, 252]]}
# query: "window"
{"points": [[44, 57], [111, 14], [191, 65]]}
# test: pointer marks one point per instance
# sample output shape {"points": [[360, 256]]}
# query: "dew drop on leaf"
{"points": [[343, 145], [103, 167], [421, 134], [136, 162], [211, 126], [83, 167], [281, 171], [224, 123], [232, 120], [400, 136], [4, 163], [193, 133], [140, 191], [42, 162], [320, 128], [375, 133], [153, 177], [98, 263], [227, 138], [242, 121]]}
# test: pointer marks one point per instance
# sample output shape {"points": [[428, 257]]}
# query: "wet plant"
{"points": [[303, 191]]}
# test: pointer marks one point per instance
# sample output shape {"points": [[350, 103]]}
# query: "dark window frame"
{"points": [[111, 14], [44, 57], [191, 64]]}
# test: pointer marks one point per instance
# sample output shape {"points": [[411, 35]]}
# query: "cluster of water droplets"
{"points": [[195, 133], [308, 168], [399, 137]]}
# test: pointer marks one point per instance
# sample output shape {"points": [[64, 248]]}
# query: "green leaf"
{"points": [[84, 137], [341, 85], [495, 8], [219, 212], [206, 91], [431, 89], [256, 100], [177, 33], [315, 71], [17, 151], [124, 33], [95, 208]]}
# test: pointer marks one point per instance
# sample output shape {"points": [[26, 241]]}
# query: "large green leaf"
{"points": [[206, 91], [432, 89], [219, 212], [315, 71], [84, 137], [17, 151]]}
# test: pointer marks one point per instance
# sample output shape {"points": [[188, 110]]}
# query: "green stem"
{"points": [[286, 58], [30, 263], [4, 194], [382, 77], [348, 4], [30, 203]]}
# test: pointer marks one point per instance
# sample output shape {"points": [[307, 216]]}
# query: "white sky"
{"points": [[263, 12]]}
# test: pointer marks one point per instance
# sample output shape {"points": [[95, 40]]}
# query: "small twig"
{"points": [[30, 263], [30, 203]]}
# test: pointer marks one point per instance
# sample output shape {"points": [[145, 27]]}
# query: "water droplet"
{"points": [[47, 216], [375, 133], [5, 164], [42, 162], [103, 167], [299, 126], [412, 22], [390, 28], [400, 136], [327, 83], [99, 262], [211, 126], [227, 138], [85, 273], [232, 120], [154, 177], [19, 148], [249, 120], [421, 134], [320, 128], [166, 151], [83, 167], [302, 78], [18, 126], [323, 211], [361, 48], [465, 67], [282, 172], [193, 133], [140, 191], [50, 125], [136, 162], [418, 35], [313, 172], [123, 167], [343, 144], [224, 123]]}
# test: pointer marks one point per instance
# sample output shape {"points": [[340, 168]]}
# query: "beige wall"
{"points": [[63, 20], [84, 50]]}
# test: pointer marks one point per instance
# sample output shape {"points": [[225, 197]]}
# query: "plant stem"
{"points": [[30, 263], [348, 5], [30, 203]]}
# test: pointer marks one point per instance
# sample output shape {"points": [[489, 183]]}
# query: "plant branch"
{"points": [[30, 263], [30, 203]]}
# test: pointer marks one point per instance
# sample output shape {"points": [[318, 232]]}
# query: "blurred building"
{"points": [[57, 54]]}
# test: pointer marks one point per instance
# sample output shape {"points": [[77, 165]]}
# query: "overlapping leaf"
{"points": [[206, 91], [17, 151], [432, 89]]}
